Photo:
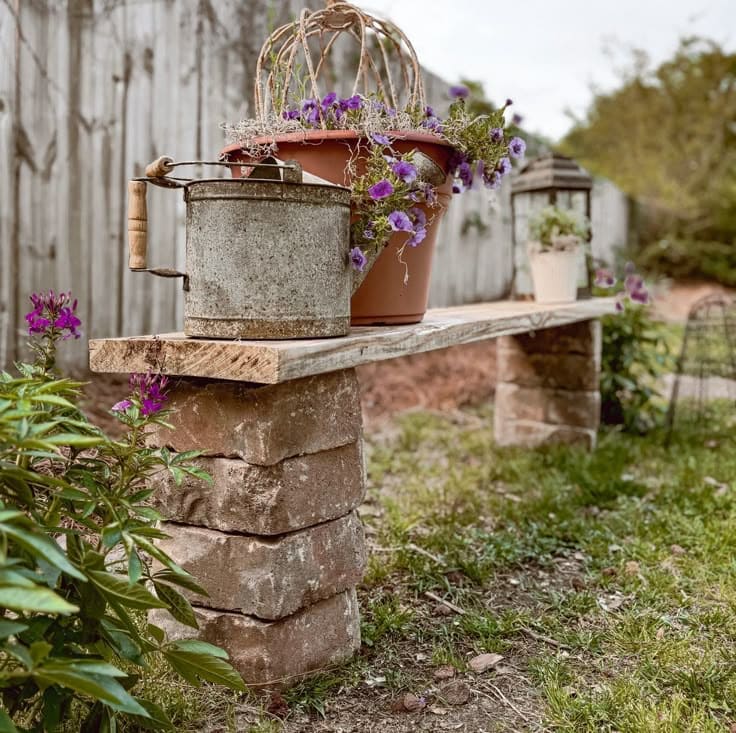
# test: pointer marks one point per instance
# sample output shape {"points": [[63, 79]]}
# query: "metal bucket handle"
{"points": [[157, 173]]}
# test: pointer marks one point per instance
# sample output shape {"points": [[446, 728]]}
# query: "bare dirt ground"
{"points": [[673, 303]]}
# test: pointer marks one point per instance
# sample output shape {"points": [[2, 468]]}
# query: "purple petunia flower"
{"points": [[517, 147], [430, 194], [429, 112], [400, 222], [417, 237], [405, 171], [310, 111], [632, 283], [351, 103], [496, 134], [640, 295], [380, 190], [459, 91], [418, 217], [433, 124], [121, 406], [509, 102], [465, 174], [504, 166], [291, 114], [380, 138], [358, 259], [328, 100], [368, 233], [604, 278], [516, 119]]}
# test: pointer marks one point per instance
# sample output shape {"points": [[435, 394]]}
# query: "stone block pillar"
{"points": [[274, 539], [548, 386]]}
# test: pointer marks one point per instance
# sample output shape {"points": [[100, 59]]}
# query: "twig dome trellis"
{"points": [[317, 33]]}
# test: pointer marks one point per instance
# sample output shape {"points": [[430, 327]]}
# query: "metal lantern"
{"points": [[549, 180]]}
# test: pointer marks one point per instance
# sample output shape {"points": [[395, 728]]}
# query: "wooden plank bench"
{"points": [[276, 539]]}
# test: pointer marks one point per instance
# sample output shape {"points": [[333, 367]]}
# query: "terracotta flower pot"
{"points": [[383, 297]]}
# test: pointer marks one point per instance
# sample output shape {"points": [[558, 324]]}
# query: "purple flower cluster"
{"points": [[466, 174], [53, 315], [149, 389], [634, 287], [331, 108]]}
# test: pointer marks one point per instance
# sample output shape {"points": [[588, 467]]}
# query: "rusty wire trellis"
{"points": [[288, 45], [706, 368]]}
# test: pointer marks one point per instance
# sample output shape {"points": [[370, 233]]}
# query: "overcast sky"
{"points": [[547, 54]]}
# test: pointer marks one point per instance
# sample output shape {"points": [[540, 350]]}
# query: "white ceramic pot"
{"points": [[555, 276]]}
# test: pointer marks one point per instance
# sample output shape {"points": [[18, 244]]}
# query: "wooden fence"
{"points": [[90, 91]]}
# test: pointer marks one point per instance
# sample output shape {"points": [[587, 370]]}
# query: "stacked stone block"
{"points": [[548, 386], [275, 539]]}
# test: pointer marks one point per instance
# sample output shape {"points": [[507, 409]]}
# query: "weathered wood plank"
{"points": [[270, 362], [8, 263]]}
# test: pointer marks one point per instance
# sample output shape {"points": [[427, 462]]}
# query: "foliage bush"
{"points": [[689, 259], [634, 356], [76, 548]]}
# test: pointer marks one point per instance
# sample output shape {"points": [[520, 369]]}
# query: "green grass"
{"points": [[608, 580]]}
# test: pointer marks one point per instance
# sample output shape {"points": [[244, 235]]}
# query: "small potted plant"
{"points": [[401, 160], [555, 238]]}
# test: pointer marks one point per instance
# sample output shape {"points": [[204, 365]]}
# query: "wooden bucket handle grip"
{"points": [[137, 225]]}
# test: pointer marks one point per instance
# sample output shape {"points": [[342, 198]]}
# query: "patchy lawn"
{"points": [[604, 586]]}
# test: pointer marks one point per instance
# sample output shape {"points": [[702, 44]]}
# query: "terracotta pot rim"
{"points": [[317, 136]]}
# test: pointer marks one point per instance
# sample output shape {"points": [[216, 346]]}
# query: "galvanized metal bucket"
{"points": [[267, 256]]}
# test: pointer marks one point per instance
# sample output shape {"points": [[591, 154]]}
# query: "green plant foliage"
{"points": [[76, 545], [687, 258], [558, 229], [635, 353]]}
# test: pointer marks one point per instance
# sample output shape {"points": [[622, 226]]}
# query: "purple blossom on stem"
{"points": [[496, 134], [433, 124], [465, 174], [629, 268], [405, 171], [328, 101], [604, 278], [381, 189], [418, 217], [121, 406], [53, 315], [509, 102], [310, 111], [429, 112], [430, 194], [351, 103], [368, 233], [400, 222], [504, 166], [68, 321], [517, 147], [516, 119], [459, 91], [380, 139], [358, 259], [149, 388], [417, 237], [291, 114]]}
